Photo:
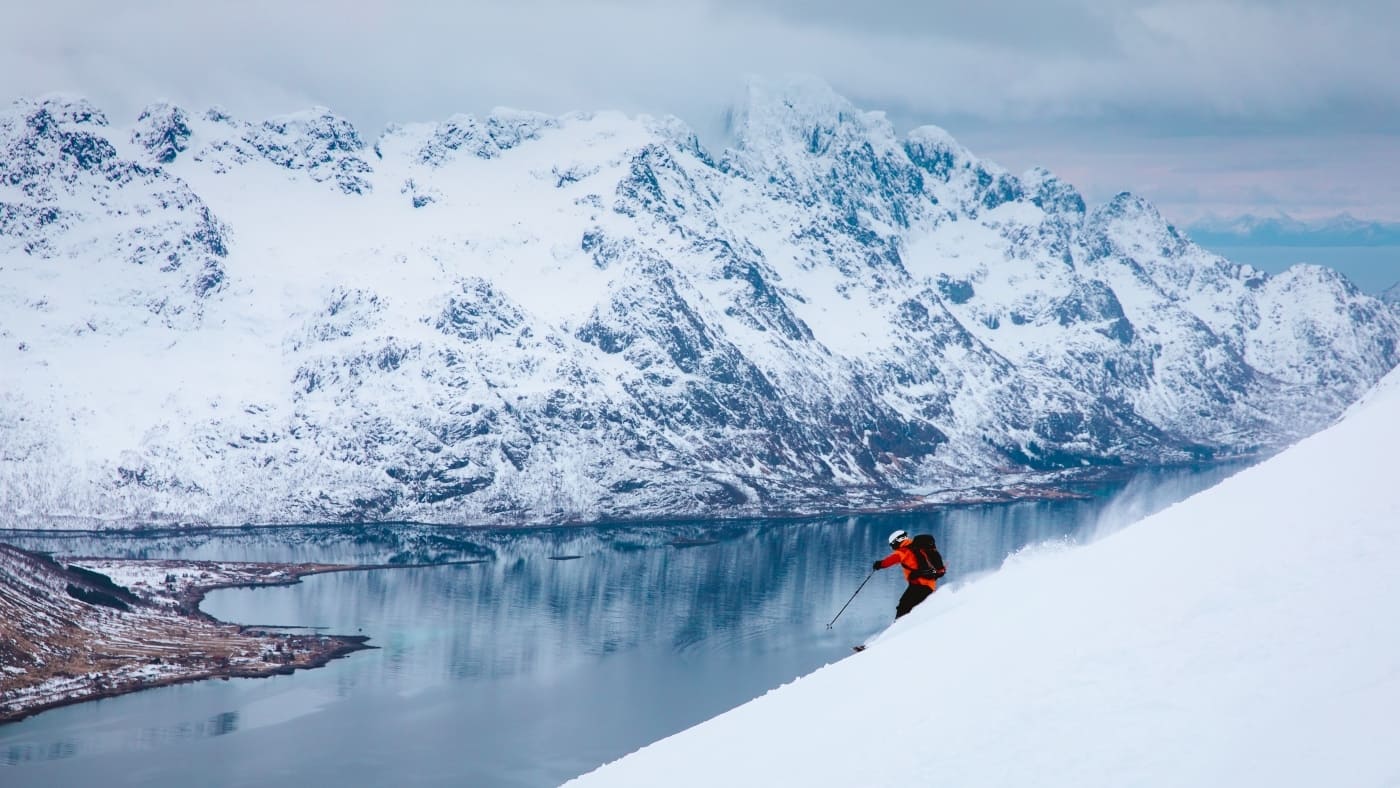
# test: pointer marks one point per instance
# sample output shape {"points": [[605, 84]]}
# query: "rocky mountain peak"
{"points": [[69, 109], [936, 151], [315, 141], [801, 113], [1051, 194], [508, 127], [608, 323], [1131, 226], [333, 132], [61, 158], [1128, 207], [797, 126], [163, 130], [436, 144], [960, 179]]}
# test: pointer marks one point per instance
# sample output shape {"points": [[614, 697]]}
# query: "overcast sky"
{"points": [[1224, 107]]}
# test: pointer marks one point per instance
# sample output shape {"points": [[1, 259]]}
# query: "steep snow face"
{"points": [[525, 317], [1196, 647], [127, 237]]}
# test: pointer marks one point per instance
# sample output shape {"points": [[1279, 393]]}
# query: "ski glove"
{"points": [[875, 566]]}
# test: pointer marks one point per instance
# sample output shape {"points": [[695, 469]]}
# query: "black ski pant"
{"points": [[913, 595]]}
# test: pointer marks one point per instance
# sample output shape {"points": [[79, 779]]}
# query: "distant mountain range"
{"points": [[526, 318], [1283, 230]]}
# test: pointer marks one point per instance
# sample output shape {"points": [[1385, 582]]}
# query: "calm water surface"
{"points": [[563, 649]]}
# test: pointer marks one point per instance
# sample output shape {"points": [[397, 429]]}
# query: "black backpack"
{"points": [[930, 562]]}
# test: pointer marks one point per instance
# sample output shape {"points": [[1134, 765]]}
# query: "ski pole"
{"points": [[852, 599]]}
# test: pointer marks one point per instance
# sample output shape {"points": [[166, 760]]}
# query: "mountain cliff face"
{"points": [[530, 318]]}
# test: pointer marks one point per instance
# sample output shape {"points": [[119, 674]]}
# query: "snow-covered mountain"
{"points": [[1284, 230], [1241, 637], [523, 317]]}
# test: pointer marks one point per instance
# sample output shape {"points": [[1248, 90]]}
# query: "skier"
{"points": [[922, 568]]}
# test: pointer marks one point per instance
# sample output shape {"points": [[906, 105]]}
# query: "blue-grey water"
{"points": [[562, 649]]}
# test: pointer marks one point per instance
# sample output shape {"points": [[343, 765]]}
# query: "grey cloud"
{"points": [[1147, 71], [1047, 26], [1021, 60]]}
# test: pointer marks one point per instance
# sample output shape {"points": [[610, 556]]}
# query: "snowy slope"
{"points": [[1245, 636], [524, 318]]}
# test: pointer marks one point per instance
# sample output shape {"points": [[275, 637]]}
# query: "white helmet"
{"points": [[897, 537]]}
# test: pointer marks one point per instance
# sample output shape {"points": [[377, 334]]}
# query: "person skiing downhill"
{"points": [[922, 567]]}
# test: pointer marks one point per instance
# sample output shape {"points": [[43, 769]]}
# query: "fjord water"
{"points": [[542, 654]]}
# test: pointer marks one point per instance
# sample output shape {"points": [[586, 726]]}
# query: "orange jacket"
{"points": [[905, 557]]}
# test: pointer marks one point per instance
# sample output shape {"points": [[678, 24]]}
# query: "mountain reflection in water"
{"points": [[563, 648]]}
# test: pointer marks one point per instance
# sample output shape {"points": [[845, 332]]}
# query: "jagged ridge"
{"points": [[529, 318]]}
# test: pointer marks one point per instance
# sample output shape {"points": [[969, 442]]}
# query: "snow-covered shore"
{"points": [[1246, 636], [100, 627]]}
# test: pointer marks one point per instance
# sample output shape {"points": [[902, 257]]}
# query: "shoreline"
{"points": [[1020, 487], [179, 642], [349, 645], [151, 579]]}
